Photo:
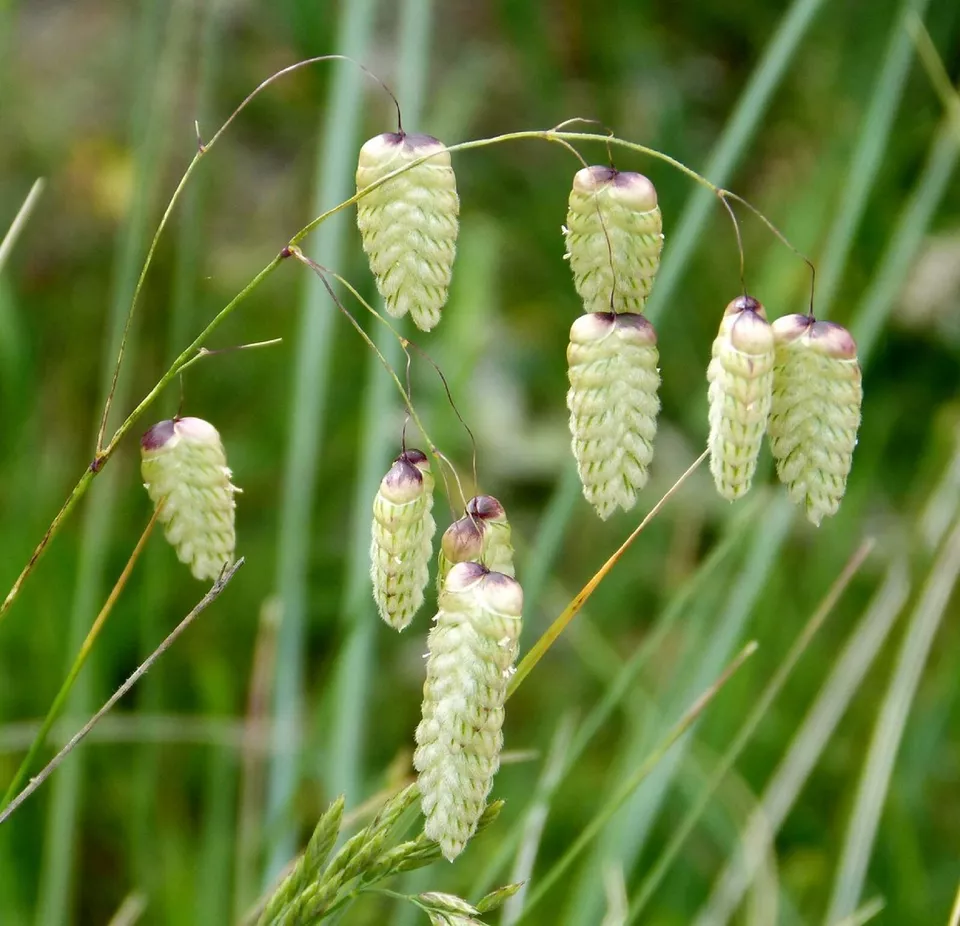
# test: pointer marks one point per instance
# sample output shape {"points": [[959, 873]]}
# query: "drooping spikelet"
{"points": [[472, 648], [614, 238], [482, 535], [183, 465], [613, 406], [741, 384], [817, 394], [401, 545], [409, 224]]}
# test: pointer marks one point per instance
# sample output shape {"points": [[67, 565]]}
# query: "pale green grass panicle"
{"points": [[482, 535]]}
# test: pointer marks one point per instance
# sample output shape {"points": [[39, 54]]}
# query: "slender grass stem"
{"points": [[19, 221]]}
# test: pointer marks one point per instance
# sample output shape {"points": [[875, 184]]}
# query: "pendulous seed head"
{"points": [[817, 396], [613, 403], [402, 535], [740, 375], [482, 535], [183, 466], [409, 224], [472, 649], [614, 236]]}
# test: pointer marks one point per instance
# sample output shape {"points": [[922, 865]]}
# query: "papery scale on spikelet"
{"points": [[409, 224], [183, 465], [614, 238], [482, 535], [401, 542], [613, 403], [815, 414], [473, 646], [740, 375]]}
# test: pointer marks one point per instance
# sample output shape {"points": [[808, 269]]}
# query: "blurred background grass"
{"points": [[816, 112]]}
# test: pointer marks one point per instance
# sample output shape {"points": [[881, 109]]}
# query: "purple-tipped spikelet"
{"points": [[614, 238], [613, 406], [741, 385], [482, 535], [472, 649], [409, 224], [401, 545], [817, 394], [183, 465]]}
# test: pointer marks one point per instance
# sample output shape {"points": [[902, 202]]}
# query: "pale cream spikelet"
{"points": [[482, 535], [817, 395], [740, 375], [613, 403], [409, 224], [614, 236], [472, 648], [401, 545], [184, 466]]}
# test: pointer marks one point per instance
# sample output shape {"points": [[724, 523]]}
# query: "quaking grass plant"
{"points": [[796, 380]]}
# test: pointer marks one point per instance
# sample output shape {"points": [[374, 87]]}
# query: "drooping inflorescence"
{"points": [[401, 543], [482, 535], [741, 385], [613, 405], [472, 649], [184, 467], [817, 394], [409, 224], [614, 238]]}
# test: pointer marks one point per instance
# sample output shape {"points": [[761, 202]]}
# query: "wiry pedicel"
{"points": [[401, 544], [409, 224], [613, 406], [817, 394], [482, 535], [472, 649], [183, 466], [741, 384]]}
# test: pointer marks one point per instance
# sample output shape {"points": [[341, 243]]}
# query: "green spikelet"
{"points": [[409, 224], [472, 648], [614, 238], [401, 545], [741, 384], [613, 406], [182, 461], [817, 394], [482, 535]]}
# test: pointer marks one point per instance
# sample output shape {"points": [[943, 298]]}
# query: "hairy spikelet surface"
{"points": [[614, 238], [409, 224], [472, 649], [482, 535], [613, 405], [817, 395], [401, 543], [184, 466], [740, 375]]}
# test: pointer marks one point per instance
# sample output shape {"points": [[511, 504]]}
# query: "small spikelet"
{"points": [[401, 545], [817, 394], [614, 238], [182, 461], [472, 648], [741, 384], [409, 224], [613, 406], [482, 535]]}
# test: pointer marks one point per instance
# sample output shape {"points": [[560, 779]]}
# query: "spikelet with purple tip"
{"points": [[817, 394], [409, 224], [184, 466], [472, 649], [482, 535]]}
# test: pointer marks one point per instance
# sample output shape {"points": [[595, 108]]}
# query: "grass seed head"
{"points": [[409, 224], [614, 235], [402, 535], [817, 395], [613, 402], [184, 466], [482, 535], [740, 375], [472, 648]]}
